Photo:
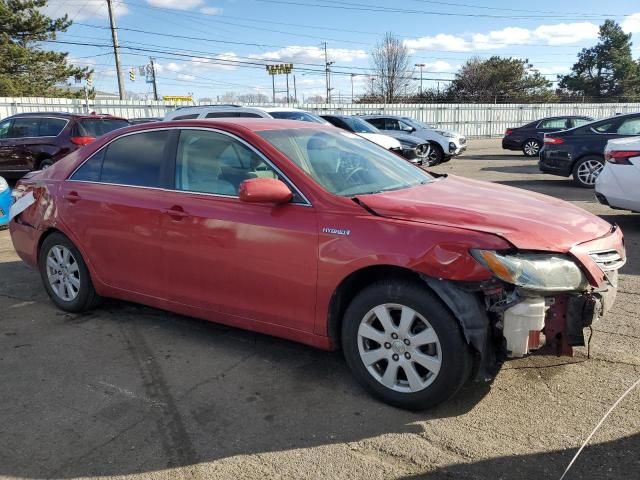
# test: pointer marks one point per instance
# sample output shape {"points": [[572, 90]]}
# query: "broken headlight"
{"points": [[3, 185], [534, 271]]}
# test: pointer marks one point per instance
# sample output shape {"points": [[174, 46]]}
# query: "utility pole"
{"points": [[295, 92], [287, 76], [116, 49], [352, 75], [421, 65], [327, 72], [153, 77], [273, 87]]}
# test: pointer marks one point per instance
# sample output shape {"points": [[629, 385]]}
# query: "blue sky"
{"points": [[231, 40]]}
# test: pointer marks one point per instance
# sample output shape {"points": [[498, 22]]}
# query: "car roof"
{"points": [[251, 124], [280, 109], [215, 108], [65, 115]]}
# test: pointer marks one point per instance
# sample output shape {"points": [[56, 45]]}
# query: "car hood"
{"points": [[382, 140], [529, 221]]}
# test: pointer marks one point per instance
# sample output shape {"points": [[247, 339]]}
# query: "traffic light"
{"points": [[132, 74]]}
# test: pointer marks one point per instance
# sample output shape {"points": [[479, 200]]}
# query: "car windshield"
{"points": [[359, 126], [416, 123], [343, 163], [95, 127], [303, 116]]}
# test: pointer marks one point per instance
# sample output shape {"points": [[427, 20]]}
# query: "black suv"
{"points": [[35, 141], [529, 137], [580, 151]]}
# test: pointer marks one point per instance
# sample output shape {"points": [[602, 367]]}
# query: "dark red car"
{"points": [[35, 141], [313, 234]]}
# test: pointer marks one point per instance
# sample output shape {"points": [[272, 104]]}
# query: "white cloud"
{"points": [[174, 67], [631, 24], [555, 34], [299, 54], [80, 11], [439, 66], [211, 10], [176, 4], [182, 76]]}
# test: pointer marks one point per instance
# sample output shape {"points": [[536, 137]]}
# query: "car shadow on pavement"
{"points": [[127, 389], [470, 155], [528, 169], [617, 459], [560, 188], [630, 225]]}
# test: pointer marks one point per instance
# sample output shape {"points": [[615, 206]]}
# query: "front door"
{"points": [[248, 260], [113, 206]]}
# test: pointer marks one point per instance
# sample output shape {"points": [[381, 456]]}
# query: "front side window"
{"points": [[607, 127], [344, 163], [392, 124], [377, 122], [358, 125], [135, 160], [211, 162], [301, 116], [24, 127], [4, 128], [578, 122], [190, 116]]}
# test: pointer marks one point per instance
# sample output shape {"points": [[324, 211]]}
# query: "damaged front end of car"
{"points": [[535, 300]]}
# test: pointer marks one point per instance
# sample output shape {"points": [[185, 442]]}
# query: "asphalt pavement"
{"points": [[129, 391]]}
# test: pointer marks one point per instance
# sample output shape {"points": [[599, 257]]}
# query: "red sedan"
{"points": [[311, 233]]}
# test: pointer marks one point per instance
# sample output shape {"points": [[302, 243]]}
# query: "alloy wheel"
{"points": [[531, 148], [399, 348], [588, 171], [63, 273]]}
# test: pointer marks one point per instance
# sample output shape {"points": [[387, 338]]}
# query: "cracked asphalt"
{"points": [[128, 391]]}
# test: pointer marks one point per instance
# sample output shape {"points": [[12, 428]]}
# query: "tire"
{"points": [[586, 170], [444, 349], [531, 147], [436, 156], [78, 294], [45, 163]]}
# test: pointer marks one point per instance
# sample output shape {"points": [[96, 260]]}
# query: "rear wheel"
{"points": [[586, 170], [531, 148], [404, 346], [44, 164], [65, 275]]}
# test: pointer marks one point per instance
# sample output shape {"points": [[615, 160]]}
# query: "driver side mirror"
{"points": [[265, 190]]}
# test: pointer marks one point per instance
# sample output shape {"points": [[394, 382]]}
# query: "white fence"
{"points": [[474, 120]]}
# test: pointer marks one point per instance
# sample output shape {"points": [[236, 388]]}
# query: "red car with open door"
{"points": [[314, 234]]}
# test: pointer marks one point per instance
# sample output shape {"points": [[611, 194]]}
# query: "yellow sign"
{"points": [[177, 98], [280, 69]]}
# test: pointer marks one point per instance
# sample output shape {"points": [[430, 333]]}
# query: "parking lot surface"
{"points": [[128, 391]]}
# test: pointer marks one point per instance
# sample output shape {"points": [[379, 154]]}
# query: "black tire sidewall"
{"points": [[529, 141], [576, 179], [86, 293], [456, 355], [45, 161], [437, 149]]}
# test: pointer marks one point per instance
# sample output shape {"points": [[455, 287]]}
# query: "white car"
{"points": [[618, 184], [226, 111]]}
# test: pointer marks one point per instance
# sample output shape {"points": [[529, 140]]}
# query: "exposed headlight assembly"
{"points": [[534, 271], [3, 185]]}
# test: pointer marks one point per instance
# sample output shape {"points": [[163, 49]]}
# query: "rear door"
{"points": [[113, 205], [41, 144], [17, 156]]}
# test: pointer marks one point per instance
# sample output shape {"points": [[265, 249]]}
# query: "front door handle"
{"points": [[72, 197], [176, 212]]}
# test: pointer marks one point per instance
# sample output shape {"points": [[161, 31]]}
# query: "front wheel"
{"points": [[65, 275], [436, 155], [404, 346], [586, 170], [531, 148]]}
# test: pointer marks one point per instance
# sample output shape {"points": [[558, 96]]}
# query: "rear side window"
{"points": [[132, 160], [186, 117], [232, 115], [24, 127], [578, 122], [559, 123], [607, 127], [96, 127], [51, 127], [377, 122]]}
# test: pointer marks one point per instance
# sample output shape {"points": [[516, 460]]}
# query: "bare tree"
{"points": [[392, 74], [253, 98]]}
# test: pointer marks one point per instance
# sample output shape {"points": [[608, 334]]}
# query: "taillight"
{"points": [[553, 140], [508, 131], [82, 140], [621, 157]]}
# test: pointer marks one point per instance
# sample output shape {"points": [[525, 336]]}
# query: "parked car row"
{"points": [[300, 230]]}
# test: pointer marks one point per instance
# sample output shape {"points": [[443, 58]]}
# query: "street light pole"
{"points": [[352, 75], [421, 66]]}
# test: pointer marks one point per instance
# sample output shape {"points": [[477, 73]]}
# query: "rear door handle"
{"points": [[71, 197], [176, 212]]}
